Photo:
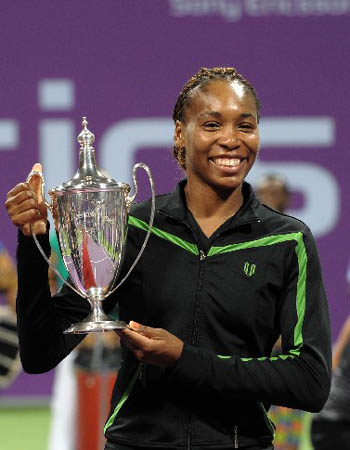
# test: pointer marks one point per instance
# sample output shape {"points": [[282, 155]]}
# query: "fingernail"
{"points": [[134, 325]]}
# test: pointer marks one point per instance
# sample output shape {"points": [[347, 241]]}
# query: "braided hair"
{"points": [[202, 77]]}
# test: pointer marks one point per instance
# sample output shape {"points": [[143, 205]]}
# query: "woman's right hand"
{"points": [[25, 205]]}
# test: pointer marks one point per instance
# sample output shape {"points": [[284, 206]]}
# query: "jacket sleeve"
{"points": [[41, 319], [300, 376]]}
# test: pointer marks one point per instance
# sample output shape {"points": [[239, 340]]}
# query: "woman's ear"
{"points": [[179, 141]]}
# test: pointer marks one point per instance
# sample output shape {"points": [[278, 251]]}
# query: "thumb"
{"points": [[143, 330], [36, 180], [36, 183]]}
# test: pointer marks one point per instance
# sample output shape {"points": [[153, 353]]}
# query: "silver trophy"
{"points": [[91, 218]]}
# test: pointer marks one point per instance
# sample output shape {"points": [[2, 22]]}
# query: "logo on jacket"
{"points": [[249, 269]]}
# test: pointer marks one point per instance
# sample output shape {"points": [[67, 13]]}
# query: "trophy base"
{"points": [[100, 326]]}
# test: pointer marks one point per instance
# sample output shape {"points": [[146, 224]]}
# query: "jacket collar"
{"points": [[176, 207], [176, 204]]}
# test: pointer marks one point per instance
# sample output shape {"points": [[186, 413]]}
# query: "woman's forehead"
{"points": [[212, 87], [217, 95]]}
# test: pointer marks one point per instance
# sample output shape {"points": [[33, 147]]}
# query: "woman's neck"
{"points": [[211, 208]]}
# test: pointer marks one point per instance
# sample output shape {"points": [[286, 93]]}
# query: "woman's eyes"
{"points": [[246, 126], [211, 125]]}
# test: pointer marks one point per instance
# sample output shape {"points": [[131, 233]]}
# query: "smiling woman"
{"points": [[198, 81], [221, 279], [216, 142]]}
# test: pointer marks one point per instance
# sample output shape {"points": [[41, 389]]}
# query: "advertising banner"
{"points": [[123, 63]]}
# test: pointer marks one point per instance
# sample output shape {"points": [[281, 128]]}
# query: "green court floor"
{"points": [[24, 428], [27, 428]]}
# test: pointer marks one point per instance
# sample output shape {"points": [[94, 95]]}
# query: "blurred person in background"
{"points": [[273, 191], [9, 355], [330, 429], [8, 278]]}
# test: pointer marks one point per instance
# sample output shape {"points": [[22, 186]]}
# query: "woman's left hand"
{"points": [[152, 345]]}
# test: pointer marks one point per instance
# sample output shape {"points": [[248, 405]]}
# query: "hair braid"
{"points": [[203, 76]]}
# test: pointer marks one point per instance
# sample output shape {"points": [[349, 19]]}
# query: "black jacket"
{"points": [[260, 279]]}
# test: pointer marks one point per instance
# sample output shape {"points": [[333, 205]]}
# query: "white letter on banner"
{"points": [[120, 141], [56, 136], [9, 134]]}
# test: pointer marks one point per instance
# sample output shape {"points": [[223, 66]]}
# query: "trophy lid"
{"points": [[88, 176]]}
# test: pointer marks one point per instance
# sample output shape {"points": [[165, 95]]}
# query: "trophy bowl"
{"points": [[91, 218]]}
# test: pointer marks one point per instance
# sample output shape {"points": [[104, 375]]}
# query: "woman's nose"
{"points": [[229, 139]]}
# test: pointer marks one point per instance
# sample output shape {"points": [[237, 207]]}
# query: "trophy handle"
{"points": [[51, 207], [129, 200]]}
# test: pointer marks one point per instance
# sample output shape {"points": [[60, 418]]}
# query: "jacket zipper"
{"points": [[140, 371], [202, 257], [189, 434], [236, 436]]}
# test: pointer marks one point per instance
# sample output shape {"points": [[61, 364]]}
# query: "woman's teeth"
{"points": [[227, 162]]}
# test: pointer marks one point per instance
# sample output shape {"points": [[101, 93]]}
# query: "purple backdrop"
{"points": [[122, 64]]}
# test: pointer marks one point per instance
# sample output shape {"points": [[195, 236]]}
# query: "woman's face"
{"points": [[220, 134]]}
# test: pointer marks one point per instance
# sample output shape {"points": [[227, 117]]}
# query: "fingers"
{"points": [[151, 333], [152, 345], [26, 230], [22, 202], [17, 189], [136, 339], [25, 205], [133, 340], [22, 205]]}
